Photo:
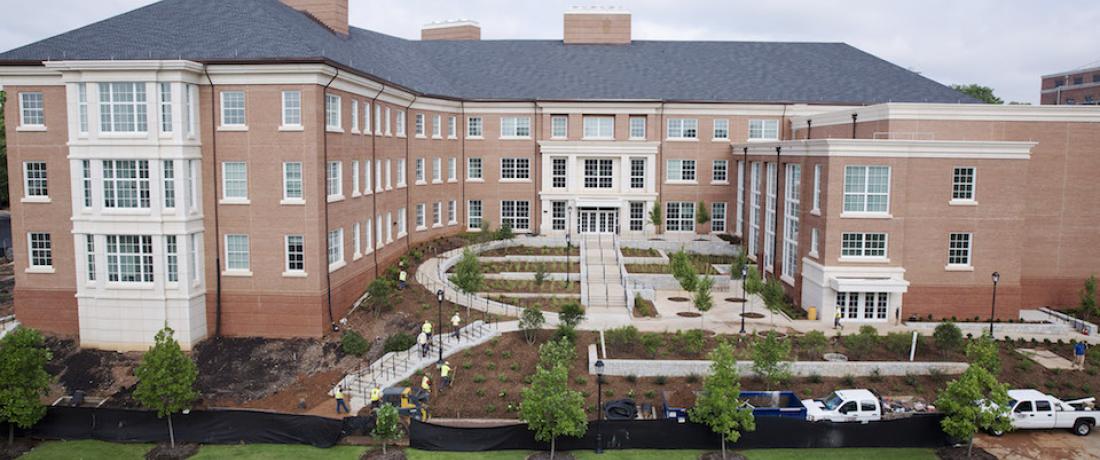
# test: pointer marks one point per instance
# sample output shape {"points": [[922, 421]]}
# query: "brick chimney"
{"points": [[331, 13], [459, 29], [597, 25]]}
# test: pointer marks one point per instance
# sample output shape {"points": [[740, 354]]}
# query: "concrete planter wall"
{"points": [[702, 247], [646, 260], [665, 282], [999, 329], [529, 276], [1057, 317], [528, 259]]}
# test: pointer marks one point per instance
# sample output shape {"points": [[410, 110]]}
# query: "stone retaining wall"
{"points": [[702, 247], [999, 329], [664, 282]]}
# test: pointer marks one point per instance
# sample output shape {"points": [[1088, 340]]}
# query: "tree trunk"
{"points": [[723, 447], [171, 432], [970, 447], [552, 441], [11, 433], [383, 449]]}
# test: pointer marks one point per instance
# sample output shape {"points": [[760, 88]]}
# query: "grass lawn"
{"points": [[277, 451], [757, 454], [87, 450]]}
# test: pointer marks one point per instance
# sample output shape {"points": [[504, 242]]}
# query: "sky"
{"points": [[1005, 44]]}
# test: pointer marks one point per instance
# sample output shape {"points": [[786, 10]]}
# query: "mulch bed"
{"points": [[546, 456], [752, 315], [718, 456], [734, 299], [644, 308], [637, 252], [959, 453], [18, 448], [530, 251], [166, 452], [678, 299], [240, 369], [392, 453], [530, 286], [688, 314]]}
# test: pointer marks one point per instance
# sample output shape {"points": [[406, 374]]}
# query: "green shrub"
{"points": [[650, 394], [479, 378], [567, 332], [467, 365], [622, 337], [580, 380], [815, 378], [690, 342], [571, 314], [491, 366], [505, 354], [813, 342], [660, 380], [480, 393], [848, 381], [652, 342], [398, 342], [862, 343], [692, 378], [354, 344], [679, 263], [899, 343], [502, 378], [948, 337], [632, 378]]}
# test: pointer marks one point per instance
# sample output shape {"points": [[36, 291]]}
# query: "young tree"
{"points": [[379, 293], [769, 359], [531, 321], [166, 379], [540, 274], [1088, 306], [718, 406], [948, 337], [655, 217], [679, 263], [486, 229], [982, 352], [551, 409], [774, 297], [702, 299], [467, 275], [23, 379], [505, 232], [739, 264], [387, 425], [560, 352], [753, 283], [702, 216], [979, 92], [975, 401], [571, 314]]}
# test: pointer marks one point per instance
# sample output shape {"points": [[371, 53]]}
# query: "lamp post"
{"points": [[568, 247], [993, 310], [599, 406], [744, 298], [439, 297]]}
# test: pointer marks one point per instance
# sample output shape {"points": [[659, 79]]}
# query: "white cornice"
{"points": [[500, 107], [29, 76], [955, 112], [436, 105], [761, 110], [125, 65], [1065, 88], [1071, 72], [599, 147], [450, 24], [639, 108], [893, 148]]}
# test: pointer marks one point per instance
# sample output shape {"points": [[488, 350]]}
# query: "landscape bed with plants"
{"points": [[527, 267], [558, 251]]}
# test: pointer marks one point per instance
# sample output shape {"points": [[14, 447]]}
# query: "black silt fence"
{"points": [[771, 432]]}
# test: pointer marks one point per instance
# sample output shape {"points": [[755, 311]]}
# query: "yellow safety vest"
{"points": [[445, 370], [375, 394], [427, 328], [456, 320], [403, 275], [424, 384], [339, 394]]}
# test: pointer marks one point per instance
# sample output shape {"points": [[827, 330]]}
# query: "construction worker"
{"points": [[402, 279], [427, 329], [456, 323], [426, 383], [422, 340], [836, 320], [340, 403], [445, 373], [375, 397]]}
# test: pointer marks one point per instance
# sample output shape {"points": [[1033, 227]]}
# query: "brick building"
{"points": [[247, 167], [1075, 87]]}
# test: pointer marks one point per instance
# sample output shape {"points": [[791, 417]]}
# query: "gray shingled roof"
{"points": [[261, 30]]}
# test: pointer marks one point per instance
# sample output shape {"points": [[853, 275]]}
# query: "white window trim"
{"points": [[815, 242], [284, 126], [297, 200], [682, 181], [511, 180], [355, 179], [885, 258], [234, 200], [969, 265], [222, 125], [868, 214], [421, 215], [419, 124], [437, 170], [645, 128], [763, 130], [31, 268], [342, 255], [584, 133], [817, 191], [354, 116], [23, 126], [335, 125], [481, 122], [287, 272], [400, 122], [401, 173], [452, 169], [712, 169], [437, 126], [26, 185], [475, 179], [668, 132], [504, 137], [559, 117], [236, 271], [339, 195], [973, 201], [452, 127], [714, 130]]}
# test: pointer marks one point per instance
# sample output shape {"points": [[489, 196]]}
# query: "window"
{"points": [[437, 214], [333, 183], [332, 112], [418, 125], [41, 250], [515, 127], [402, 222], [165, 107], [236, 252], [366, 119], [637, 128], [234, 180], [958, 249], [82, 107], [86, 179], [122, 108], [452, 213], [683, 128], [558, 173], [473, 214], [720, 171], [378, 119], [366, 177], [389, 175], [740, 196], [817, 190], [637, 173], [126, 183], [474, 127], [863, 245], [418, 171], [515, 214], [1042, 406], [193, 258], [515, 168], [292, 181], [792, 204], [35, 183], [722, 129], [867, 189], [189, 93], [354, 116], [557, 215], [451, 128], [680, 170], [354, 177], [437, 170], [598, 173], [559, 127], [680, 216], [754, 204], [847, 304], [89, 254], [813, 242], [763, 130], [401, 172], [130, 258], [171, 251], [378, 227], [437, 126], [452, 169], [296, 253], [169, 183], [962, 185], [400, 123], [389, 227], [1079, 80], [367, 235], [357, 249], [718, 217], [599, 127], [637, 216], [769, 217], [335, 248], [420, 209], [473, 169], [191, 193], [378, 175], [387, 120], [232, 108]]}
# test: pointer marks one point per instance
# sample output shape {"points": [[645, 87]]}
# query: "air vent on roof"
{"points": [[597, 25], [456, 29]]}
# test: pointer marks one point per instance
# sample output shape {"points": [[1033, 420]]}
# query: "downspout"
{"points": [[855, 116], [217, 228], [809, 129], [747, 208], [374, 169], [408, 194], [465, 171], [658, 173], [537, 162], [324, 164], [775, 215]]}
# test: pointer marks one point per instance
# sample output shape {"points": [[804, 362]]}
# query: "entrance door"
{"points": [[598, 220]]}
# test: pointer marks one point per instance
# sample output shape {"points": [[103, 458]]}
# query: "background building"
{"points": [[1074, 87]]}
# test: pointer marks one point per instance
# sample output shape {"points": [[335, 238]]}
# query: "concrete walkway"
{"points": [[604, 294]]}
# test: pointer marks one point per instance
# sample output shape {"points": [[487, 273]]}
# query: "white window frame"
{"points": [[559, 176], [512, 167], [368, 129], [357, 247], [475, 169], [418, 125], [367, 177], [355, 116], [334, 180], [475, 128], [740, 198], [681, 129], [792, 206], [335, 249], [817, 191], [637, 128], [514, 127], [141, 261], [754, 208], [333, 112], [599, 127], [402, 222], [168, 176], [165, 105], [378, 119], [420, 217], [401, 174], [601, 177], [638, 177], [678, 166], [452, 212], [865, 246], [864, 171], [814, 243], [81, 108], [294, 255], [292, 110], [763, 130], [721, 129], [725, 172], [418, 172], [231, 252], [32, 116], [718, 218], [964, 187], [437, 126], [559, 126], [437, 170], [36, 189], [226, 108], [437, 214], [683, 219], [39, 252], [510, 211], [955, 251], [389, 122], [119, 192], [389, 174], [452, 169], [117, 115], [368, 236], [452, 127], [474, 214], [355, 178], [770, 207], [400, 128]]}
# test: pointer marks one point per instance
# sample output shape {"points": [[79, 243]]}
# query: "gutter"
{"points": [[324, 165], [217, 228], [374, 169], [408, 187]]}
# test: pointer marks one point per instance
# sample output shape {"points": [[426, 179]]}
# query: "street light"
{"points": [[993, 311], [439, 297], [600, 406], [568, 247], [744, 299]]}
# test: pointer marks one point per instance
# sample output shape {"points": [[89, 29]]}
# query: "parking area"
{"points": [[1054, 444]]}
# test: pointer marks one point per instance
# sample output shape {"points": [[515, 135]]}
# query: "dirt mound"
{"points": [[95, 372], [247, 368]]}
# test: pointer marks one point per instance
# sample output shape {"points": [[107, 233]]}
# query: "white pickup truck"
{"points": [[1034, 410], [845, 406]]}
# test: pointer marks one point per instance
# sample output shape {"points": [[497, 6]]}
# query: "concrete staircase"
{"points": [[393, 367], [604, 295]]}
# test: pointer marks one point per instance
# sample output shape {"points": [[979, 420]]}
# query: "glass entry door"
{"points": [[598, 220]]}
